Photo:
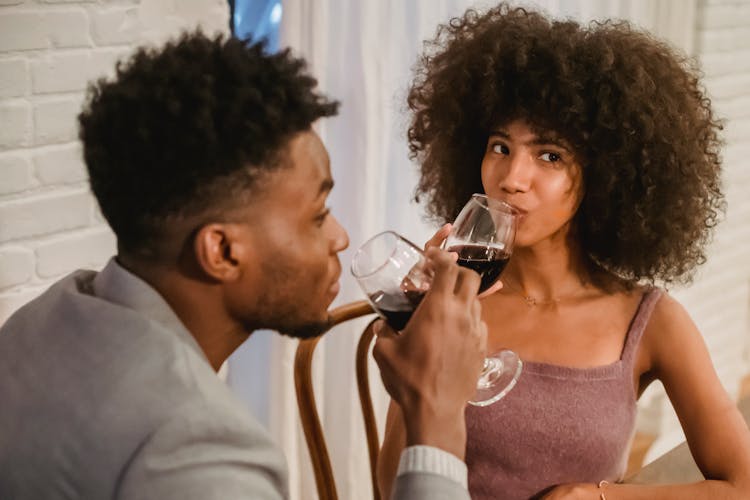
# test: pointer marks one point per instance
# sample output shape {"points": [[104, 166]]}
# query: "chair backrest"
{"points": [[308, 410]]}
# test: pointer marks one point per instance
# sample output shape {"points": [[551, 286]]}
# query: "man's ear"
{"points": [[221, 251]]}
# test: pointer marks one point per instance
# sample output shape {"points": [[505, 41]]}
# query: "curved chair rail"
{"points": [[308, 410]]}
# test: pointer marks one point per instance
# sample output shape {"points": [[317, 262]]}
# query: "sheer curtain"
{"points": [[361, 52]]}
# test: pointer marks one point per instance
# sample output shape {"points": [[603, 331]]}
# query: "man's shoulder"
{"points": [[105, 384], [62, 304], [102, 353]]}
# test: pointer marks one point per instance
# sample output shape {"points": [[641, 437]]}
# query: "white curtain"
{"points": [[361, 52]]}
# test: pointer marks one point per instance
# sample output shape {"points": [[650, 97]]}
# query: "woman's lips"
{"points": [[520, 212]]}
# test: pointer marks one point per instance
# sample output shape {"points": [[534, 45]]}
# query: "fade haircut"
{"points": [[184, 129]]}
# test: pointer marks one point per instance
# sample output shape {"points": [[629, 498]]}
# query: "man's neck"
{"points": [[197, 304]]}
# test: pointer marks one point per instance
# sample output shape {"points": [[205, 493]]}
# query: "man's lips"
{"points": [[336, 283]]}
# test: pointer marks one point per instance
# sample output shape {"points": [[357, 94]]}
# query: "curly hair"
{"points": [[184, 129], [632, 108]]}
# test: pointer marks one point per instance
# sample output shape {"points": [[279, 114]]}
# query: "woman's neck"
{"points": [[547, 271]]}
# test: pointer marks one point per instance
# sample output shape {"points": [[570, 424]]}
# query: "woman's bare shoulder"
{"points": [[669, 316], [671, 331]]}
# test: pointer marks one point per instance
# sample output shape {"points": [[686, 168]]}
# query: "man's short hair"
{"points": [[185, 128]]}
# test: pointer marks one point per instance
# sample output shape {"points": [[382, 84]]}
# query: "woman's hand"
{"points": [[439, 237], [437, 241], [574, 491]]}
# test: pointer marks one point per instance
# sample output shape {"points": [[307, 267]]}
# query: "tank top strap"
{"points": [[638, 324]]}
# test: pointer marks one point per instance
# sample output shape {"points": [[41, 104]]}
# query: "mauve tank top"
{"points": [[558, 425]]}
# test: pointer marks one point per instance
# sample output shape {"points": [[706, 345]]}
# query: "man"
{"points": [[203, 161]]}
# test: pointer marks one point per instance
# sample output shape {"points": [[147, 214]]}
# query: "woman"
{"points": [[604, 140]]}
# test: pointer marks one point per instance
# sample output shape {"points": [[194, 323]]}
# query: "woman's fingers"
{"points": [[494, 288], [439, 237]]}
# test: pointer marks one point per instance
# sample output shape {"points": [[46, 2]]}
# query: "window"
{"points": [[257, 19]]}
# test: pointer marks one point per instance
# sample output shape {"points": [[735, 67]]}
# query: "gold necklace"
{"points": [[532, 301]]}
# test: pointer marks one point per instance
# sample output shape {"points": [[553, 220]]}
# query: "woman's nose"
{"points": [[518, 175]]}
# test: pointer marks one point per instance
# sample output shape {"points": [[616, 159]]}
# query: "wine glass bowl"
{"points": [[392, 272], [483, 235]]}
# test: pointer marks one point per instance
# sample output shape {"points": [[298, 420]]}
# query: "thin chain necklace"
{"points": [[532, 301]]}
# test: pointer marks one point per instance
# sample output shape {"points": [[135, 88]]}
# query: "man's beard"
{"points": [[283, 307], [304, 330], [287, 321]]}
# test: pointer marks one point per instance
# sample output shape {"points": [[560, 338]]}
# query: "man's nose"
{"points": [[340, 238]]}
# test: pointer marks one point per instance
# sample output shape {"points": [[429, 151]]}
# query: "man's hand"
{"points": [[431, 369]]}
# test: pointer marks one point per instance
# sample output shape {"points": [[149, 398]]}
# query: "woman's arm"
{"points": [[394, 443], [716, 433]]}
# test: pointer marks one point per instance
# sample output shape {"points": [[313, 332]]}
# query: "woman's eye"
{"points": [[550, 157], [500, 149]]}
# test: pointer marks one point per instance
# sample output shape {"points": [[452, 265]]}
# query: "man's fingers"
{"points": [[382, 353], [430, 248], [446, 271], [467, 284], [481, 326], [483, 333], [382, 329], [476, 310], [382, 350]]}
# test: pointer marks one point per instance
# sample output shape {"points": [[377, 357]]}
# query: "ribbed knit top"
{"points": [[557, 425]]}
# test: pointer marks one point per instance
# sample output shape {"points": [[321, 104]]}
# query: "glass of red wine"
{"points": [[392, 272], [483, 235]]}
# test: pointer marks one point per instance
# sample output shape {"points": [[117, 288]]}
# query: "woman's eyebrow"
{"points": [[499, 133], [542, 139], [551, 140]]}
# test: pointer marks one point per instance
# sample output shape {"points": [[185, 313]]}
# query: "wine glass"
{"points": [[392, 271], [483, 235]]}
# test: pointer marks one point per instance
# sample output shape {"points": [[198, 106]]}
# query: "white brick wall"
{"points": [[719, 300], [49, 51], [52, 119], [16, 130], [15, 172], [14, 81]]}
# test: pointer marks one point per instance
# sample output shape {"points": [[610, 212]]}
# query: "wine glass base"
{"points": [[499, 376]]}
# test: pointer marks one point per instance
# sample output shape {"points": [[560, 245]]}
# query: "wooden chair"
{"points": [[308, 410]]}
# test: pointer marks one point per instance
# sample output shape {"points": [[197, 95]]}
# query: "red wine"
{"points": [[397, 307], [487, 261]]}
